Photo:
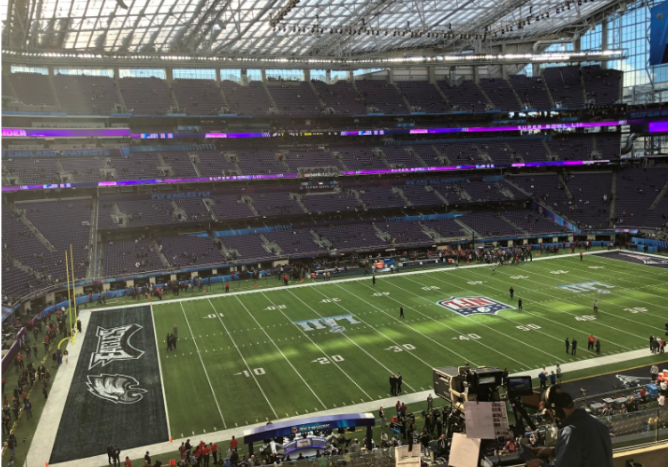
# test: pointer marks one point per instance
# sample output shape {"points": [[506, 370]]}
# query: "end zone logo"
{"points": [[467, 306]]}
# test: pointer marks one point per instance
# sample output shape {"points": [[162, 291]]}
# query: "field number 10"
{"points": [[257, 371]]}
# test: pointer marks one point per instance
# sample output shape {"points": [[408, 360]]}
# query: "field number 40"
{"points": [[528, 327]]}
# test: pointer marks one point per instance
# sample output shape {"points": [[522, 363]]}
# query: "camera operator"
{"points": [[583, 440]]}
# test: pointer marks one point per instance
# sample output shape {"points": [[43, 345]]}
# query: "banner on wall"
{"points": [[658, 37], [554, 217]]}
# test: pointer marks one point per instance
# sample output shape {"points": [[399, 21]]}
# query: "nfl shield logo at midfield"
{"points": [[466, 306]]}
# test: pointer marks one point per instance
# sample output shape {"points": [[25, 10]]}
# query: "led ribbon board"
{"points": [[232, 178]]}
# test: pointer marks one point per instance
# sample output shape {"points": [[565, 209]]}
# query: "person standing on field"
{"points": [[512, 292], [374, 280], [401, 312], [574, 346], [595, 306]]}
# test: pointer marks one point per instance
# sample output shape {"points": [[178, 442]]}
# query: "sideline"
{"points": [[44, 438], [224, 435], [45, 435], [206, 296]]}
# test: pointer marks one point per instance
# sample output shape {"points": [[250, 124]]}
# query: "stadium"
{"points": [[258, 228]]}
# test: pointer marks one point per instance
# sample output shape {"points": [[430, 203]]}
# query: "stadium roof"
{"points": [[288, 28]]}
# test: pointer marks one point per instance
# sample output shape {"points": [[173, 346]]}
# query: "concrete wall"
{"points": [[654, 456]]}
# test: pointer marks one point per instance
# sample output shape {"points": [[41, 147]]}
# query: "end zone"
{"points": [[116, 393]]}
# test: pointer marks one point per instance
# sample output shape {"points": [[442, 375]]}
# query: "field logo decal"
{"points": [[646, 259], [119, 389], [467, 306], [593, 286], [324, 323], [114, 345]]}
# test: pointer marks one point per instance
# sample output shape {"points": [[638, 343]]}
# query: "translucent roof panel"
{"points": [[284, 28]]}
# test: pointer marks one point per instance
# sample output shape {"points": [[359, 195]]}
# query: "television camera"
{"points": [[458, 385]]}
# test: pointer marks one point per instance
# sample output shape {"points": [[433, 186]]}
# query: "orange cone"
{"points": [[171, 440]]}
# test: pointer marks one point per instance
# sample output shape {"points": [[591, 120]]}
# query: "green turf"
{"points": [[241, 359], [25, 427]]}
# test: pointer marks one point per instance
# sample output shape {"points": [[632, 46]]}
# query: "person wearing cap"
{"points": [[583, 440]]}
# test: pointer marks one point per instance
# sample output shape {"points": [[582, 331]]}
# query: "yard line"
{"points": [[318, 347], [411, 328], [244, 360], [618, 287], [446, 326], [206, 373], [380, 332], [562, 311], [279, 350], [574, 303], [162, 379], [528, 312], [658, 271], [348, 337], [480, 324]]}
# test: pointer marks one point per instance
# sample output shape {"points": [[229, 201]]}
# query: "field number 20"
{"points": [[325, 360], [528, 327]]}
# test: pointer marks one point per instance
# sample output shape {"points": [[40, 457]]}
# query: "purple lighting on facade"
{"points": [[658, 127]]}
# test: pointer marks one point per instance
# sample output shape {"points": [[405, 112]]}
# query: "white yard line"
{"points": [[162, 379], [224, 435], [357, 316], [281, 352], [320, 349], [552, 297], [340, 281], [398, 320], [206, 373], [478, 323], [351, 340], [449, 327], [250, 371], [562, 299], [527, 312], [618, 288]]}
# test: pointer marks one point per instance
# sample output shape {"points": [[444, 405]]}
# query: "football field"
{"points": [[255, 356]]}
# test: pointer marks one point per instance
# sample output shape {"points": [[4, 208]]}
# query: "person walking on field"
{"points": [[374, 280], [574, 346], [595, 306], [401, 312], [512, 292], [568, 345], [590, 342], [519, 304]]}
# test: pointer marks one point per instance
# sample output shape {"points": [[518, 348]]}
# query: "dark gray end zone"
{"points": [[637, 257], [116, 394]]}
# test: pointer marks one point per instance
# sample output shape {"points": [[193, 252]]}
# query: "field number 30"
{"points": [[528, 327]]}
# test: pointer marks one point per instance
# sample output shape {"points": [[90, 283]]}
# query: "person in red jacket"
{"points": [[214, 451], [128, 462], [234, 443], [590, 342]]}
